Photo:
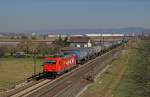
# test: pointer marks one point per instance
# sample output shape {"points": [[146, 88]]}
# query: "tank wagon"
{"points": [[73, 57], [80, 53]]}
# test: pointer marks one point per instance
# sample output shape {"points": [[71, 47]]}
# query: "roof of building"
{"points": [[79, 39]]}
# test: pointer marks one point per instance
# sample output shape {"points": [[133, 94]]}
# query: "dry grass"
{"points": [[16, 69]]}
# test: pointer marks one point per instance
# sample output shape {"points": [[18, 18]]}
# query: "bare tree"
{"points": [[43, 48], [25, 46], [3, 50]]}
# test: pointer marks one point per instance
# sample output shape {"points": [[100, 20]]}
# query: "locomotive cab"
{"points": [[50, 66]]}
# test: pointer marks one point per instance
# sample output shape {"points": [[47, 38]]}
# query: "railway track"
{"points": [[21, 90], [32, 88], [71, 83]]}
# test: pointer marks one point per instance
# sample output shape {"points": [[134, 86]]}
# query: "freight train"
{"points": [[73, 57]]}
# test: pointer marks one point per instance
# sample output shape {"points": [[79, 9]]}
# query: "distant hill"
{"points": [[128, 30]]}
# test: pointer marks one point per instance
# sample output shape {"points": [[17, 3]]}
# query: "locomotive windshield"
{"points": [[50, 62]]}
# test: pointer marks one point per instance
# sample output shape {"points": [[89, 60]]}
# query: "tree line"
{"points": [[29, 48]]}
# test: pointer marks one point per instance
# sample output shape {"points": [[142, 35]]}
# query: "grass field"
{"points": [[16, 69], [136, 82], [128, 76]]}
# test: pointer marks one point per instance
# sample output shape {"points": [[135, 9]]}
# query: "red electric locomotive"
{"points": [[57, 65]]}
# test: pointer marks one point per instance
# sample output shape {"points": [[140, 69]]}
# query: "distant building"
{"points": [[1, 35], [105, 35], [79, 41], [55, 36], [33, 34], [75, 35]]}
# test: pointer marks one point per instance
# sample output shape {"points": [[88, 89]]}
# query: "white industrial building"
{"points": [[92, 35], [104, 35], [57, 35], [64, 35]]}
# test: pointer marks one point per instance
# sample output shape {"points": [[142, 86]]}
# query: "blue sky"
{"points": [[38, 15]]}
